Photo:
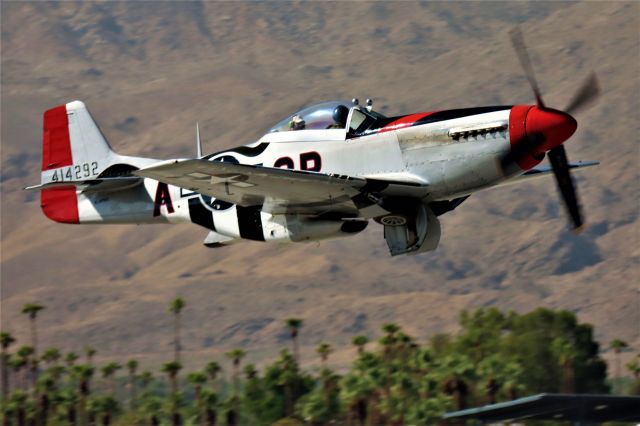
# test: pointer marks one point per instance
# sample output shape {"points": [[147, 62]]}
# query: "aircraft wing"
{"points": [[276, 190], [545, 170]]}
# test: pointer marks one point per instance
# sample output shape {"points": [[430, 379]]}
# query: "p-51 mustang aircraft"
{"points": [[323, 172]]}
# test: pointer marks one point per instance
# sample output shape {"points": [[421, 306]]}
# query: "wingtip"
{"points": [[579, 229], [587, 163]]}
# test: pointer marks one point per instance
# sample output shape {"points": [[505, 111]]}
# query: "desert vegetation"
{"points": [[393, 379]]}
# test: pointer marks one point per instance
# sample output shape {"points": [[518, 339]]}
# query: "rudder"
{"points": [[72, 137]]}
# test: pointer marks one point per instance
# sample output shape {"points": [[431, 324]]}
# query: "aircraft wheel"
{"points": [[393, 220]]}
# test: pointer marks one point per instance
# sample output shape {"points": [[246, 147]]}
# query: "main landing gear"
{"points": [[411, 228]]}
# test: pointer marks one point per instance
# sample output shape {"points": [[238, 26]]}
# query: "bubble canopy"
{"points": [[315, 117]]}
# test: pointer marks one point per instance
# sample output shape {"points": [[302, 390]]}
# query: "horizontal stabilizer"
{"points": [[107, 184]]}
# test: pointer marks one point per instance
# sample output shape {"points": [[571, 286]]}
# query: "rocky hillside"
{"points": [[149, 71]]}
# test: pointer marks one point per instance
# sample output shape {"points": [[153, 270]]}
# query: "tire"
{"points": [[393, 220]]}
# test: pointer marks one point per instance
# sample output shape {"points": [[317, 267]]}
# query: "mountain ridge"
{"points": [[149, 75]]}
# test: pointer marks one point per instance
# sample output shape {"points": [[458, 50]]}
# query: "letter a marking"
{"points": [[162, 197]]}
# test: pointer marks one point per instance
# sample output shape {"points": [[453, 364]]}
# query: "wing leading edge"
{"points": [[278, 191], [545, 170]]}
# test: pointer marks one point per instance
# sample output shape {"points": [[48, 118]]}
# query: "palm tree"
{"points": [[94, 410], [565, 353], [26, 353], [89, 352], [288, 379], [360, 342], [172, 369], [231, 415], [55, 374], [250, 371], [7, 413], [108, 373], [457, 387], [210, 402], [83, 373], [388, 343], [51, 356], [236, 356], [46, 387], [513, 383], [455, 372], [389, 340], [498, 372], [175, 402], [390, 328], [68, 401], [324, 349], [405, 345], [17, 363], [294, 325], [356, 390], [176, 307], [198, 379], [56, 371], [212, 369], [634, 368], [19, 399], [109, 407], [151, 405], [132, 366], [145, 379], [102, 408], [70, 359], [6, 340], [618, 346], [32, 309]]}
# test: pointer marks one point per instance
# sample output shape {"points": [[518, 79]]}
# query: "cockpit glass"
{"points": [[326, 115]]}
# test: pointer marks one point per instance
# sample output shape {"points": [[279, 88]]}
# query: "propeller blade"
{"points": [[517, 40], [588, 92], [560, 165]]}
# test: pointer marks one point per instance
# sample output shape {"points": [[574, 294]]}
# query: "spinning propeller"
{"points": [[546, 129]]}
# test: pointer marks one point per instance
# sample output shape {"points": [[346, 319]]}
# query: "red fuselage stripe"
{"points": [[406, 121]]}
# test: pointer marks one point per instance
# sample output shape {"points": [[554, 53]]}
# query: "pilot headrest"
{"points": [[340, 114]]}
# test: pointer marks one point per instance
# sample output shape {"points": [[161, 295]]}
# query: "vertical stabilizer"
{"points": [[73, 149]]}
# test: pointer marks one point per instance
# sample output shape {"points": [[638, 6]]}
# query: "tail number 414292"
{"points": [[75, 172]]}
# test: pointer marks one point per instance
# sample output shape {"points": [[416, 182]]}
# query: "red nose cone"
{"points": [[555, 126]]}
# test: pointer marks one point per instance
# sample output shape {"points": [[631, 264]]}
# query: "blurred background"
{"points": [[148, 71]]}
